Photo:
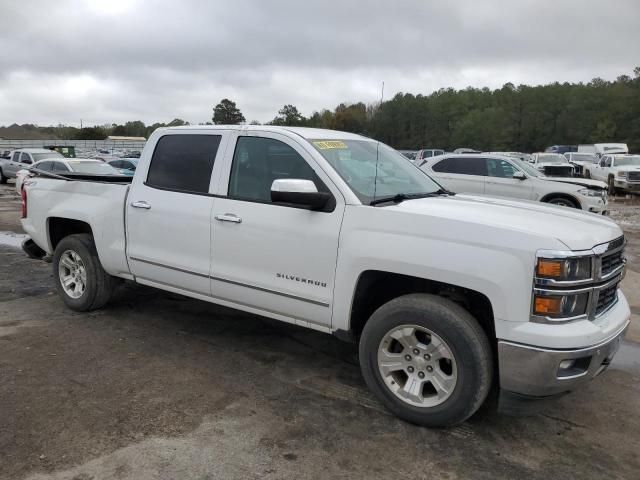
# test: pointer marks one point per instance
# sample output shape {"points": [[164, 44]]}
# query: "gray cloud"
{"points": [[111, 61]]}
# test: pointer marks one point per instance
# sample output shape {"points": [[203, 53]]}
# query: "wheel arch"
{"points": [[374, 288], [566, 196], [60, 227]]}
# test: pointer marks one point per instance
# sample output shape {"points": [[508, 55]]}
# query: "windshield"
{"points": [[42, 156], [527, 168], [373, 170], [551, 158], [97, 168], [628, 161], [584, 157]]}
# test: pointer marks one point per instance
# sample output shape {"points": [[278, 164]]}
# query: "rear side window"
{"points": [[462, 165], [44, 166], [183, 163]]}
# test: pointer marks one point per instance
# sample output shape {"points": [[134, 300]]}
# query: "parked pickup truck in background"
{"points": [[504, 176], [446, 294], [621, 172], [552, 164]]}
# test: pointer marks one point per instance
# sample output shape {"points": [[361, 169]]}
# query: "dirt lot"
{"points": [[161, 386]]}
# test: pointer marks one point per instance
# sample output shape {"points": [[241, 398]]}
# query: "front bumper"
{"points": [[597, 205], [542, 372]]}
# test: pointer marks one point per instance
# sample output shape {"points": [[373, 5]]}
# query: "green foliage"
{"points": [[519, 118], [288, 115], [226, 113]]}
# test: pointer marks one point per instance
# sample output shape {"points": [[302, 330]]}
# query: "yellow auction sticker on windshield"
{"points": [[328, 144]]}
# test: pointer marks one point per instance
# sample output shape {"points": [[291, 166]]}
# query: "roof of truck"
{"points": [[305, 132]]}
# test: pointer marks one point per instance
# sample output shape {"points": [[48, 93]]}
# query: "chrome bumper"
{"points": [[540, 372]]}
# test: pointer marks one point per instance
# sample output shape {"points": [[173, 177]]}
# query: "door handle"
{"points": [[141, 204], [228, 217]]}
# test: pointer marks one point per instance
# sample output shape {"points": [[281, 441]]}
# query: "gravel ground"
{"points": [[160, 386]]}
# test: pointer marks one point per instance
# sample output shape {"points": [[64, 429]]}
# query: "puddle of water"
{"points": [[627, 358], [12, 239]]}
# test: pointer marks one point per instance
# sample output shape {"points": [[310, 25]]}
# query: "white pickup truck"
{"points": [[447, 295]]}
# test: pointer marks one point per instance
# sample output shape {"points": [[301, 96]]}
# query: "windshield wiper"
{"points": [[401, 197]]}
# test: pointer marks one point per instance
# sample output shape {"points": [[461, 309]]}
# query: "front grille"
{"points": [[606, 298], [633, 176], [611, 262], [613, 244]]}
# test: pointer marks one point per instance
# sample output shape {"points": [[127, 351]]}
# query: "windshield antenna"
{"points": [[375, 179]]}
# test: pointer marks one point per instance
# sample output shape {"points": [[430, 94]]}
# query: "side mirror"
{"points": [[519, 175], [298, 192]]}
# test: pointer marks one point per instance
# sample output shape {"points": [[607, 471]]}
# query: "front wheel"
{"points": [[562, 202], [427, 359], [79, 277], [3, 179], [612, 186], [587, 174]]}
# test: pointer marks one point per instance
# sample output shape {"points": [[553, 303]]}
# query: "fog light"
{"points": [[565, 364]]}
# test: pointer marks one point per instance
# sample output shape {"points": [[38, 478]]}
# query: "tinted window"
{"points": [[257, 162], [44, 166], [607, 162], [462, 165], [16, 156], [25, 158], [500, 168], [59, 167], [183, 162], [117, 164]]}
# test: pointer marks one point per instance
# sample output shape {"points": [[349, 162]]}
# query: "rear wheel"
{"points": [[563, 202], [427, 360], [80, 279], [3, 179]]}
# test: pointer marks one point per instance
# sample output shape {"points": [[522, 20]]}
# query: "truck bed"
{"points": [[97, 200]]}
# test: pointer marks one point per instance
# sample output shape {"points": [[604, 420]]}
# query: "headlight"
{"points": [[571, 269], [622, 174], [587, 192], [560, 306]]}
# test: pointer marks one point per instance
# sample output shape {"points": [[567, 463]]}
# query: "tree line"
{"points": [[511, 118]]}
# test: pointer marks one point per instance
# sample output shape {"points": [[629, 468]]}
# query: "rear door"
{"points": [[465, 174], [500, 181], [169, 211], [275, 258]]}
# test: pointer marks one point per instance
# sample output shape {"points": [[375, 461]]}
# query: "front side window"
{"points": [[258, 161], [607, 162], [183, 163], [500, 168], [25, 158], [462, 165]]}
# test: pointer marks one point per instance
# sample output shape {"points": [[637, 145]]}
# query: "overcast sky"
{"points": [[154, 60]]}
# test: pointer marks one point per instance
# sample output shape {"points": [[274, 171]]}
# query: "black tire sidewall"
{"points": [[83, 246], [470, 351], [3, 179]]}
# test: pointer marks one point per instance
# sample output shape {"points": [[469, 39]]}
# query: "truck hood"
{"points": [[583, 182], [574, 228]]}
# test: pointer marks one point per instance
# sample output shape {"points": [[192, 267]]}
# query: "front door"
{"points": [[277, 259], [500, 181], [169, 212]]}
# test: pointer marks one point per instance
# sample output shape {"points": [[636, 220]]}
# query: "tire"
{"points": [[587, 174], [3, 179], [98, 285], [436, 320], [562, 202], [612, 190]]}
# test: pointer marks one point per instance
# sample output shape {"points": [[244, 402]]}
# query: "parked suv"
{"points": [[511, 177]]}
